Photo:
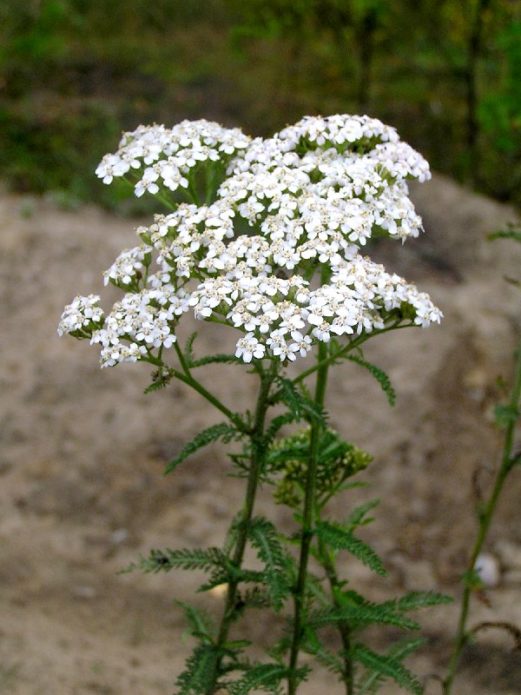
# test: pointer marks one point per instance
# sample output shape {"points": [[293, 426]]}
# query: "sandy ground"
{"points": [[82, 492]]}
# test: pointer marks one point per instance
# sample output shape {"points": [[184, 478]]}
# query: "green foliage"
{"points": [[387, 666], [265, 538], [223, 432], [298, 402], [184, 558], [359, 613], [216, 359], [414, 600], [200, 624], [373, 680], [160, 379], [265, 677], [514, 234], [381, 377], [506, 415], [199, 674], [340, 538], [287, 460]]}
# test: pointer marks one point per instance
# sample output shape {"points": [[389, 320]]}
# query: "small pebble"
{"points": [[119, 536], [487, 567]]}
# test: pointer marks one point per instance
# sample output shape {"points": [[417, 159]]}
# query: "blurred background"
{"points": [[82, 451], [75, 73]]}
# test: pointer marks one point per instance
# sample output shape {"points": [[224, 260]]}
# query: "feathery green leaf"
{"points": [[184, 558], [374, 679], [199, 673], [266, 677], [358, 516], [360, 615], [222, 431], [201, 625], [298, 403], [415, 600], [381, 377], [341, 539], [189, 349], [387, 666], [216, 359], [265, 539]]}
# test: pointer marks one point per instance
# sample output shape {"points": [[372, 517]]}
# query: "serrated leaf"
{"points": [[506, 415], [360, 615], [189, 348], [506, 234], [387, 666], [264, 537], [183, 558], [276, 425], [223, 431], [216, 359], [417, 599], [341, 539], [298, 403], [381, 377], [358, 516], [372, 682], [201, 625], [266, 677], [200, 671]]}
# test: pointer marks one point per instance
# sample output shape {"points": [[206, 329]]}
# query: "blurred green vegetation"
{"points": [[75, 73]]}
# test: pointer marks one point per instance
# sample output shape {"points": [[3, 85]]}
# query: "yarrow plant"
{"points": [[265, 237]]}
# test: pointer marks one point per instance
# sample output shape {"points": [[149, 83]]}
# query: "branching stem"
{"points": [[308, 521], [485, 519], [258, 455]]}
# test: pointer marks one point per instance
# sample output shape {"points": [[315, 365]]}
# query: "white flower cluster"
{"points": [[286, 209], [81, 316], [166, 156]]}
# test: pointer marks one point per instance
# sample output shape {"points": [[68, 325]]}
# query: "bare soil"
{"points": [[82, 453]]}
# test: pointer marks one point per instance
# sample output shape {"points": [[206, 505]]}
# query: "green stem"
{"points": [[344, 630], [356, 342], [258, 444], [186, 377], [308, 521], [485, 520]]}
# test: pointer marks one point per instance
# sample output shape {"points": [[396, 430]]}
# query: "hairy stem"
{"points": [[308, 522], [328, 564], [258, 455], [186, 377], [485, 520]]}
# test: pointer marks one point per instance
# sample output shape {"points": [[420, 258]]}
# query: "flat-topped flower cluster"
{"points": [[255, 222]]}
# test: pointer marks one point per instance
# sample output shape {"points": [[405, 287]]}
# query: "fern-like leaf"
{"points": [[201, 626], [298, 403], [223, 431], [381, 377], [358, 516], [216, 359], [265, 539], [265, 677], [371, 683], [184, 558], [360, 615], [189, 349], [387, 666], [514, 234], [341, 539], [277, 424], [417, 599], [199, 674]]}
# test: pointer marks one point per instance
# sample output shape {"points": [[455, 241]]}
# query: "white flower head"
{"points": [[278, 211]]}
